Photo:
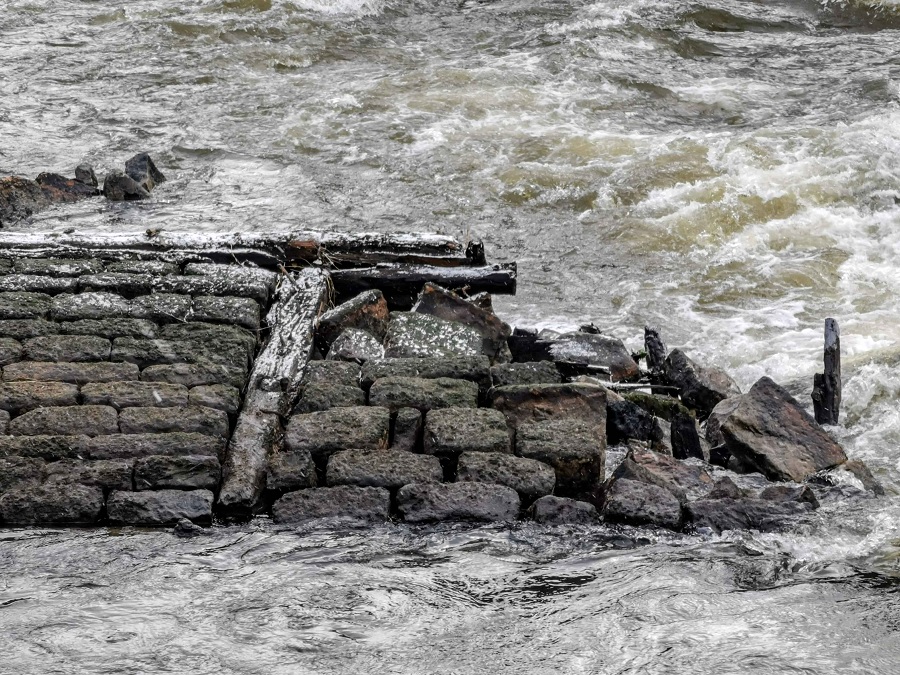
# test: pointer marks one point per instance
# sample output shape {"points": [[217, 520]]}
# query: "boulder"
{"points": [[110, 474], [382, 468], [522, 404], [74, 373], [451, 431], [18, 472], [587, 349], [529, 477], [346, 503], [355, 345], [121, 395], [162, 507], [88, 420], [423, 394], [368, 311], [701, 388], [143, 171], [636, 503], [423, 502], [289, 470], [324, 433], [119, 187], [552, 510], [769, 432], [323, 396], [19, 397], [473, 368], [411, 334], [190, 419], [338, 373], [743, 514], [51, 504], [625, 420], [531, 372], [575, 449], [684, 481], [177, 472]]}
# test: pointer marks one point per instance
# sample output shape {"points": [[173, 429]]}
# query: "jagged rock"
{"points": [[700, 388], [185, 528], [552, 510], [89, 420], [529, 477], [320, 396], [423, 502], [473, 368], [537, 402], [162, 507], [290, 470], [636, 503], [575, 449], [856, 470], [121, 395], [532, 372], [330, 431], [413, 392], [48, 504], [121, 446], [110, 474], [381, 468], [790, 493], [10, 351], [451, 431], [16, 472], [725, 488], [625, 420], [339, 373], [190, 419], [684, 481], [119, 187], [411, 334], [355, 345], [143, 171], [358, 505], [19, 397], [407, 431], [595, 350], [769, 432], [219, 396], [368, 311], [184, 472], [84, 173], [743, 514]]}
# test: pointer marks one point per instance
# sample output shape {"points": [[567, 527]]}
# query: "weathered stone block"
{"points": [[75, 373], [575, 449], [355, 345], [700, 388], [349, 504], [473, 368], [10, 351], [422, 502], [191, 419], [33, 283], [218, 396], [523, 404], [530, 372], [177, 472], [124, 446], [634, 503], [411, 334], [147, 353], [744, 514], [290, 470], [77, 306], [340, 373], [529, 477], [407, 430], [57, 267], [381, 468], [451, 431], [49, 504], [18, 397], [110, 474], [194, 374], [684, 481], [210, 333], [88, 420], [50, 448], [121, 395], [414, 392], [22, 329], [18, 305], [16, 472], [218, 285], [66, 348], [110, 328], [322, 396], [368, 311], [4, 422], [234, 311], [595, 350], [160, 307], [552, 510], [154, 267], [330, 431], [120, 283], [163, 507]]}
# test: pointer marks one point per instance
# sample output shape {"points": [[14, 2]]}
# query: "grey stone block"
{"points": [[411, 334], [88, 420], [120, 283], [529, 477], [18, 397], [50, 505], [18, 305], [355, 345], [110, 474], [407, 430], [77, 306], [423, 502], [194, 374], [75, 373], [218, 396], [121, 395], [330, 431], [532, 372], [111, 328], [700, 388], [552, 510], [124, 446], [57, 267], [4, 422], [357, 505], [239, 286], [634, 503], [154, 267], [191, 419], [33, 283], [50, 448], [16, 472], [290, 470], [321, 396], [473, 368], [22, 329], [576, 451], [413, 392], [235, 311], [382, 468], [163, 507], [210, 333], [177, 472], [66, 348], [368, 311], [10, 351], [451, 431], [160, 307], [147, 353], [332, 372]]}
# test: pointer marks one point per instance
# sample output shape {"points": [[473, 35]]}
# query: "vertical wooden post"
{"points": [[826, 393]]}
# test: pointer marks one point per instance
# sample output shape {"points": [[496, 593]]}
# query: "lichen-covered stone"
{"points": [[110, 328], [210, 333], [634, 503], [18, 397], [121, 395], [194, 374], [552, 510], [575, 449], [155, 267], [67, 348], [473, 368], [161, 507], [120, 283], [22, 329], [218, 396], [177, 472], [347, 503], [57, 267], [10, 351], [290, 470], [411, 334], [17, 472], [424, 394], [330, 431], [368, 311], [125, 446], [190, 419], [19, 305], [147, 353], [451, 431], [406, 434], [50, 505], [77, 306], [523, 404], [355, 345], [235, 311], [341, 373], [529, 372], [529, 477], [50, 448], [88, 420], [160, 308], [34, 283], [381, 468], [110, 474], [75, 373], [321, 396], [423, 502]]}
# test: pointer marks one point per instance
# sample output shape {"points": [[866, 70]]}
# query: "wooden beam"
{"points": [[826, 394]]}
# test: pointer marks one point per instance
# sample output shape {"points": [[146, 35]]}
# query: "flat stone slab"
{"points": [[744, 514], [345, 502], [575, 449], [451, 431], [330, 431], [473, 368], [219, 396], [67, 348], [424, 502], [162, 507], [18, 397], [89, 420], [552, 510], [177, 472], [122, 446], [190, 419], [321, 396], [167, 352], [75, 373], [338, 373], [529, 477], [122, 395], [110, 474], [355, 345], [368, 311], [634, 503], [210, 333], [424, 394], [382, 468], [46, 447], [48, 504], [193, 374], [411, 334], [530, 372], [537, 402], [289, 470]]}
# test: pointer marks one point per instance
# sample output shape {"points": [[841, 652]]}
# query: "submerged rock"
{"points": [[143, 171], [120, 187], [743, 514]]}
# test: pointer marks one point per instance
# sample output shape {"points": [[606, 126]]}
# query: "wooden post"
{"points": [[826, 393], [656, 351]]}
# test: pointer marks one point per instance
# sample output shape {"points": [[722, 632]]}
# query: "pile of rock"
{"points": [[120, 384]]}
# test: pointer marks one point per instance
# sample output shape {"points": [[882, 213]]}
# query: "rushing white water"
{"points": [[725, 170]]}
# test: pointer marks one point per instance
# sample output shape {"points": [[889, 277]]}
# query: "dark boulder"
{"points": [[552, 510], [472, 368], [532, 372], [407, 430], [451, 431], [523, 404], [683, 480], [423, 502], [162, 507], [743, 514], [424, 394], [637, 503], [625, 420], [322, 396], [184, 472], [346, 503], [700, 388], [575, 449], [119, 187], [143, 171]]}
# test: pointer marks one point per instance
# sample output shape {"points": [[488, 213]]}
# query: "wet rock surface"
{"points": [[412, 334], [429, 502], [348, 503], [161, 507], [451, 431], [424, 394], [530, 478], [701, 388], [382, 468], [552, 510]]}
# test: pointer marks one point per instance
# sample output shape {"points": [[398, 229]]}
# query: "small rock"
{"points": [[355, 345], [84, 173], [382, 468], [685, 438], [423, 502], [529, 477], [635, 503], [552, 510], [119, 187], [321, 396], [368, 311], [412, 392], [185, 528], [725, 488], [533, 372], [162, 507], [143, 171], [411, 334], [349, 504], [790, 493], [701, 388]]}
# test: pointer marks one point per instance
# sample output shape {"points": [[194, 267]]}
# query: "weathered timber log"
{"points": [[345, 254], [401, 284], [273, 384], [656, 351], [826, 394]]}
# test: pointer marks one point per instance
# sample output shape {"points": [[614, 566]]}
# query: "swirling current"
{"points": [[728, 170]]}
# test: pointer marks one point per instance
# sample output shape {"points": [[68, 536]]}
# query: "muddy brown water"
{"points": [[726, 170]]}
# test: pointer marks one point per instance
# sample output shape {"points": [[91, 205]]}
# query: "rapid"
{"points": [[726, 170]]}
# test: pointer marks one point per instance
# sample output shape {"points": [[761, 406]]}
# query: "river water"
{"points": [[728, 170]]}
